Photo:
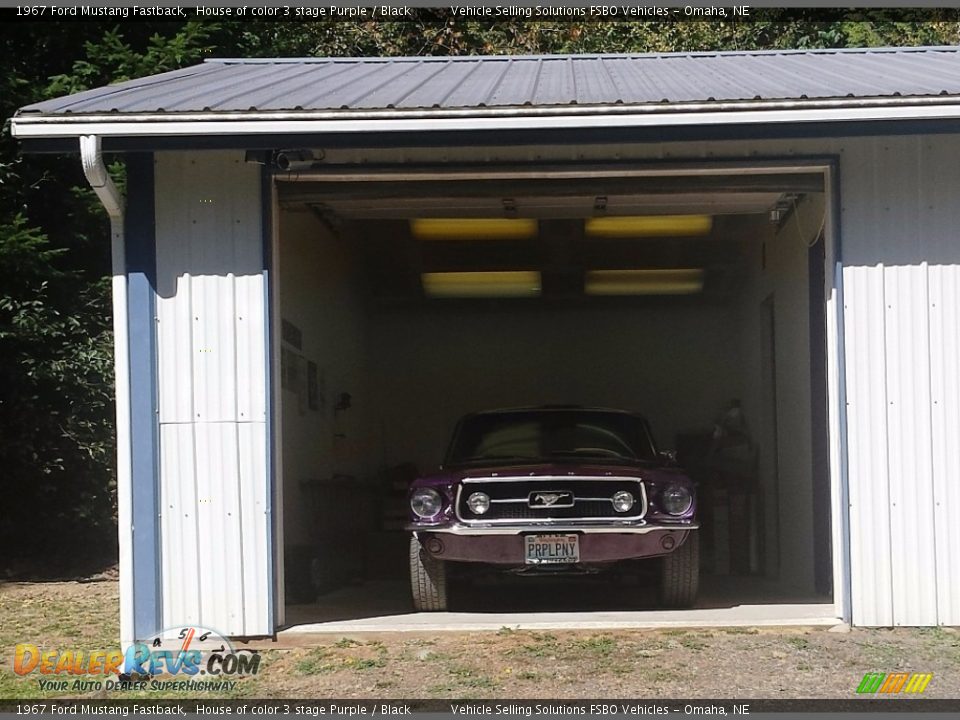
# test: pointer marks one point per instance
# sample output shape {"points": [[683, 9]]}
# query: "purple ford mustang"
{"points": [[553, 489]]}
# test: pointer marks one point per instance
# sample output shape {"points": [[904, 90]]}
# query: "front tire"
{"points": [[680, 574], [428, 579]]}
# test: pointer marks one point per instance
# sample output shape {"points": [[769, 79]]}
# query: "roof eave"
{"points": [[253, 122]]}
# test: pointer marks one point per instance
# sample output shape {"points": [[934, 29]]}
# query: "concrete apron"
{"points": [[741, 616], [385, 607]]}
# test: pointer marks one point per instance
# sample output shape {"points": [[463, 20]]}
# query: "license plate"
{"points": [[553, 549]]}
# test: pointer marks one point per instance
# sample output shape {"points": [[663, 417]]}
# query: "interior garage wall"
{"points": [[778, 274], [325, 458], [675, 364]]}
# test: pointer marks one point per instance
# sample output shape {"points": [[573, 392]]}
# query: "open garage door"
{"points": [[409, 297]]}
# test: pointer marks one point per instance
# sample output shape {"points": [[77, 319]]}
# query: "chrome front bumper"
{"points": [[458, 528], [504, 545]]}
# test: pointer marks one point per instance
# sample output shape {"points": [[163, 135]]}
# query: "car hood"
{"points": [[561, 469]]}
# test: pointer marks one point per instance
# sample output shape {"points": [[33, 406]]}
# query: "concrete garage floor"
{"points": [[545, 604]]}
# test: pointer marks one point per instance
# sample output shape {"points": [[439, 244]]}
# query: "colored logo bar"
{"points": [[892, 683]]}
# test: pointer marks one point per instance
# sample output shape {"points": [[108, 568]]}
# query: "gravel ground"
{"points": [[734, 663]]}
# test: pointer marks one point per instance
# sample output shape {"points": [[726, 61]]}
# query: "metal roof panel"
{"points": [[543, 81]]}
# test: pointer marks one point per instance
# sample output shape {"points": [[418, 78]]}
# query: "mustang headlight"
{"points": [[425, 502], [478, 503], [676, 499], [622, 501]]}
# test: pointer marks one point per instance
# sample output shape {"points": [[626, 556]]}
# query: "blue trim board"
{"points": [[141, 259]]}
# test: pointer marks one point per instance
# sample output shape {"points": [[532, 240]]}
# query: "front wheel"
{"points": [[428, 579], [680, 574]]}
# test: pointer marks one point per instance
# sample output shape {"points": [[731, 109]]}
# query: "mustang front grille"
{"points": [[550, 498]]}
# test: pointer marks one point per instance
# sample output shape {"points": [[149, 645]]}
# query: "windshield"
{"points": [[551, 435]]}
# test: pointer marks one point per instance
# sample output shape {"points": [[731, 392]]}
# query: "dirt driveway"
{"points": [[735, 663]]}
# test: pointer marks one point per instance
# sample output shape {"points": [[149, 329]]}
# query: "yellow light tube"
{"points": [[512, 283], [686, 281], [648, 226], [474, 228]]}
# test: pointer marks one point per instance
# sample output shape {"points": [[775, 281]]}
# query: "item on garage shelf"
{"points": [[733, 461]]}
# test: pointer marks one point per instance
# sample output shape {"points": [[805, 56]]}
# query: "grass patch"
{"points": [[462, 679], [693, 643], [320, 661], [798, 643], [543, 645], [601, 645], [468, 677], [437, 657], [317, 662], [442, 689], [368, 663], [365, 663], [880, 653], [740, 631], [481, 682], [659, 675]]}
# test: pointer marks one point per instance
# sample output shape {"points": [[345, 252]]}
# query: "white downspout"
{"points": [[113, 203]]}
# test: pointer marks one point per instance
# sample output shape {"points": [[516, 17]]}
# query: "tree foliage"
{"points": [[55, 395], [56, 413], [56, 392]]}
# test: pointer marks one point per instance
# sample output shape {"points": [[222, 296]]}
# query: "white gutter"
{"points": [[112, 202], [497, 119]]}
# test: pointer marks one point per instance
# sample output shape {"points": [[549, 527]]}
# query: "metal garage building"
{"points": [[252, 184]]}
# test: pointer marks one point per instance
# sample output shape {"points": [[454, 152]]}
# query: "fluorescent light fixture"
{"points": [[474, 228], [512, 283], [686, 281], [626, 226]]}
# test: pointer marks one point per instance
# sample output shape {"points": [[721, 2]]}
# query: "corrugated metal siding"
{"points": [[212, 382], [909, 445], [869, 486], [942, 245], [945, 386], [440, 83], [902, 257]]}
